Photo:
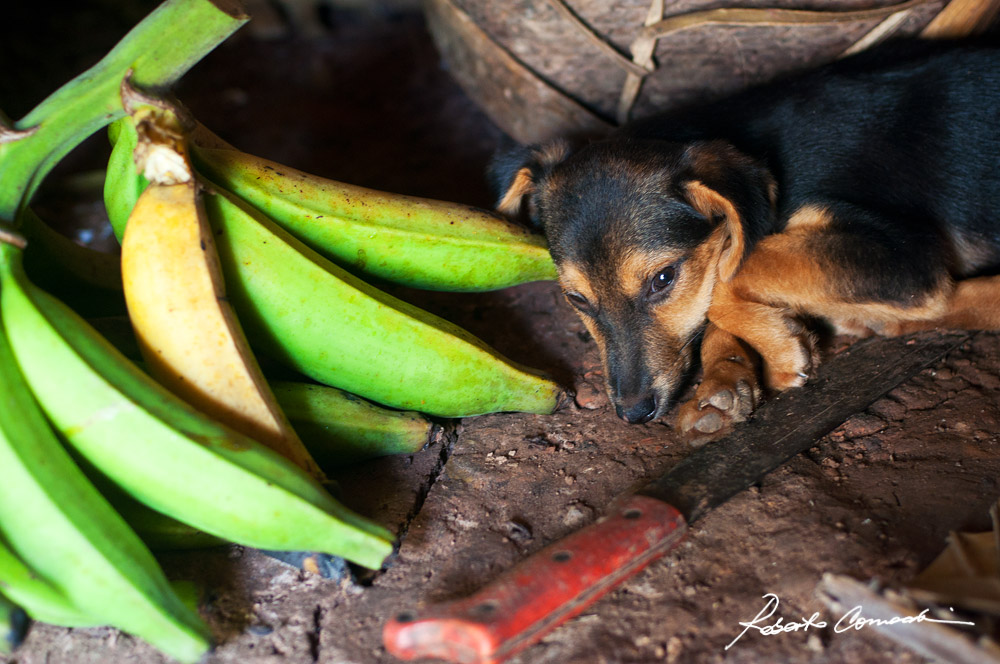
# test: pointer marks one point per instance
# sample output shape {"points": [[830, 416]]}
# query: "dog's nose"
{"points": [[641, 411]]}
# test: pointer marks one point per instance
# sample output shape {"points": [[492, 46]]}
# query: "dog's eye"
{"points": [[578, 301], [663, 280]]}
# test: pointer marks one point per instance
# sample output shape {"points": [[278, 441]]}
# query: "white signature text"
{"points": [[852, 619]]}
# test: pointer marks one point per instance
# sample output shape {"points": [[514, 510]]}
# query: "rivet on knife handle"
{"points": [[544, 591]]}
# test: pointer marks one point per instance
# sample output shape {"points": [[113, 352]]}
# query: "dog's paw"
{"points": [[794, 364], [726, 396]]}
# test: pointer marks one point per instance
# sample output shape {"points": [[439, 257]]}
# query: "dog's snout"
{"points": [[642, 410]]}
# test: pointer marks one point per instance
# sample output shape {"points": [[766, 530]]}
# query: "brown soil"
{"points": [[368, 103]]}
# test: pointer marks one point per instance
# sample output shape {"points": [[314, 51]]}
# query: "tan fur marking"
{"points": [[711, 204], [781, 272], [780, 281], [637, 268], [522, 185], [571, 278], [973, 305], [685, 310], [809, 217], [552, 153]]}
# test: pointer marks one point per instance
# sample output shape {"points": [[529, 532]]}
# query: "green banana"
{"points": [[418, 242], [53, 517], [155, 53], [317, 318], [157, 531], [160, 450], [88, 267], [340, 428], [38, 598], [123, 183]]}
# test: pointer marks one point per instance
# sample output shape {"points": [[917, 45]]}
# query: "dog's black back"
{"points": [[908, 135]]}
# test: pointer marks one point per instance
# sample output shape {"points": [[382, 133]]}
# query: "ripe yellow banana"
{"points": [[317, 318], [161, 450], [187, 331], [86, 565], [418, 242], [340, 428]]}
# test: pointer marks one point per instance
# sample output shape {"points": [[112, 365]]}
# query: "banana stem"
{"points": [[157, 52]]}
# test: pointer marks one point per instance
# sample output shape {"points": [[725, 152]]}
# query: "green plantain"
{"points": [[54, 519], [418, 242], [340, 428]]}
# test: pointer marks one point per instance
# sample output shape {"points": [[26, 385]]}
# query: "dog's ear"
{"points": [[727, 186], [516, 172]]}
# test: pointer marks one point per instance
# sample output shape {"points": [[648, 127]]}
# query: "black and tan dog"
{"points": [[865, 194]]}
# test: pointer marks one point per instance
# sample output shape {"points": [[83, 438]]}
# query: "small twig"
{"points": [[879, 33], [961, 18]]}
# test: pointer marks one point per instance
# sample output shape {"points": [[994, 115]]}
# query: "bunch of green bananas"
{"points": [[275, 228], [66, 556], [99, 460]]}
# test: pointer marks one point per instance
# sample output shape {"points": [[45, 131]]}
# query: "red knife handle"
{"points": [[544, 591]]}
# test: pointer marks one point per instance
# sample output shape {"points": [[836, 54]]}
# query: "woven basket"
{"points": [[542, 68]]}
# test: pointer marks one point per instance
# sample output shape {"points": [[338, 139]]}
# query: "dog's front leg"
{"points": [[729, 390]]}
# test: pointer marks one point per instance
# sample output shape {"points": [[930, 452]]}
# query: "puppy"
{"points": [[865, 194]]}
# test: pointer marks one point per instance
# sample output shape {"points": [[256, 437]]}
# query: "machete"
{"points": [[566, 577]]}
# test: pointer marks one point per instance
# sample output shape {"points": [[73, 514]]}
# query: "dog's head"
{"points": [[641, 231]]}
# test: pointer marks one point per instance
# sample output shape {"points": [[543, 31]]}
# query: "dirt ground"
{"points": [[368, 102]]}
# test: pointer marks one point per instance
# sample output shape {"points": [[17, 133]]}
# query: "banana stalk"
{"points": [[157, 52], [418, 242], [162, 451]]}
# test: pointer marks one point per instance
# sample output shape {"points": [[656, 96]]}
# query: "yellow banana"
{"points": [[423, 243], [188, 333]]}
